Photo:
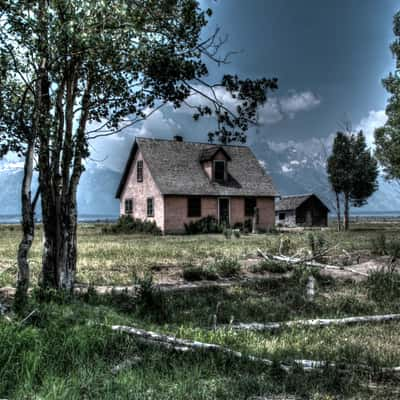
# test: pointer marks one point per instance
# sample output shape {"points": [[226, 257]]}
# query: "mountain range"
{"points": [[296, 167]]}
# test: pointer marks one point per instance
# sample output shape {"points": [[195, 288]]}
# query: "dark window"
{"points": [[139, 170], [219, 170], [250, 203], [128, 206], [282, 216], [150, 207], [194, 207]]}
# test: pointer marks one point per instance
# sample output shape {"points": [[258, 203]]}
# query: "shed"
{"points": [[301, 210]]}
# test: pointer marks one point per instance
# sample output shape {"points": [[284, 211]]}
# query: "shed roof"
{"points": [[176, 168], [288, 203]]}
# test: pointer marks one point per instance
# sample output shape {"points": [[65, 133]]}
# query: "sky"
{"points": [[329, 58], [328, 55]]}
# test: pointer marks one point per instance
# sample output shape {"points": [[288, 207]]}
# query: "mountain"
{"points": [[301, 168], [296, 167], [96, 193]]}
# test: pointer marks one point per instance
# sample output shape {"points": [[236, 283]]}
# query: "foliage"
{"points": [[352, 170], [207, 224], [379, 245], [226, 267], [384, 285], [245, 226], [275, 267], [387, 138], [198, 273], [317, 244], [126, 225]]}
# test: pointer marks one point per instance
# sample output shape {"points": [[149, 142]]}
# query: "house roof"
{"points": [[209, 153], [177, 170], [288, 203]]}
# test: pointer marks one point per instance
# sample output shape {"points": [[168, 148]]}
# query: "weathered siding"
{"points": [[289, 220], [140, 191], [176, 212]]}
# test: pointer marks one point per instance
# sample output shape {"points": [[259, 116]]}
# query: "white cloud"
{"points": [[375, 119], [297, 102]]}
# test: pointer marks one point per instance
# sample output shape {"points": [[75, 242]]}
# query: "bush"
{"points": [[274, 267], [207, 224], [126, 225], [245, 227], [379, 245], [226, 267], [384, 285], [198, 273], [317, 244]]}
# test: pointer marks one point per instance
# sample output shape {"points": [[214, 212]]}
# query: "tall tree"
{"points": [[109, 62], [387, 138], [352, 172]]}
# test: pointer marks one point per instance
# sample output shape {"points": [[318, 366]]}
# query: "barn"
{"points": [[301, 210]]}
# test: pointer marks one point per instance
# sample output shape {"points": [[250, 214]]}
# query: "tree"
{"points": [[387, 138], [110, 63], [352, 172]]}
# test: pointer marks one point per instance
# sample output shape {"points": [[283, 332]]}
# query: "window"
{"points": [[250, 203], [281, 216], [139, 171], [219, 170], [128, 206], [150, 207], [194, 206]]}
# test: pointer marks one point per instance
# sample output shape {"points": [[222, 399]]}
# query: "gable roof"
{"points": [[209, 154], [288, 203], [177, 170]]}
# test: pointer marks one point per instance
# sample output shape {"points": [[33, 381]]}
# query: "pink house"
{"points": [[173, 182]]}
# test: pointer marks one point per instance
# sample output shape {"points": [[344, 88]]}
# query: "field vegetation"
{"points": [[66, 349]]}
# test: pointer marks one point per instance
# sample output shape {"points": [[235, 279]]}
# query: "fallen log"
{"points": [[185, 345], [320, 322], [312, 263]]}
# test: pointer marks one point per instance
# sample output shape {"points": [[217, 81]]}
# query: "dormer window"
{"points": [[219, 170]]}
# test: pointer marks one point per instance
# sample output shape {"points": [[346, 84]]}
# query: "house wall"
{"points": [[140, 191], [176, 212], [289, 220]]}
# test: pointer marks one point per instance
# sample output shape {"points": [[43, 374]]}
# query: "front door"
{"points": [[224, 211]]}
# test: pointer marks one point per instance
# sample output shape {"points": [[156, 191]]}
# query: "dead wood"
{"points": [[310, 263], [273, 326]]}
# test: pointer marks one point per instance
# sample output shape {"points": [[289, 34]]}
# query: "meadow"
{"points": [[66, 349]]}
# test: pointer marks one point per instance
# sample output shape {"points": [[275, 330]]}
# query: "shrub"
{"points": [[226, 267], [126, 225], [379, 245], [236, 233], [228, 233], [317, 244], [207, 224], [245, 226], [274, 267], [198, 273], [384, 285]]}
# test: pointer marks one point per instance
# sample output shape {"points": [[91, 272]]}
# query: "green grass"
{"points": [[66, 349]]}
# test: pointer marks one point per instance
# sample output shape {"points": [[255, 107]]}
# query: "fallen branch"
{"points": [[272, 326], [310, 263], [184, 345]]}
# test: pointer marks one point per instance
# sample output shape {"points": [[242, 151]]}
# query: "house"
{"points": [[301, 210], [173, 182]]}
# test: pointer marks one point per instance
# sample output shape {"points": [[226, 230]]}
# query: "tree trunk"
{"points": [[28, 230], [346, 212], [338, 212]]}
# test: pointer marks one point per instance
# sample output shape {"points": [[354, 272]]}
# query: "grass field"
{"points": [[66, 349]]}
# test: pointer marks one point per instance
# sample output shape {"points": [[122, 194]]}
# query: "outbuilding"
{"points": [[301, 210]]}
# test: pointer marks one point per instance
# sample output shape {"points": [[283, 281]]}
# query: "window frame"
{"points": [[139, 171], [246, 208], [150, 200], [126, 211], [215, 170], [190, 213]]}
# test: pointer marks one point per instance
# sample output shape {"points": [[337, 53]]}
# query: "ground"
{"points": [[66, 349]]}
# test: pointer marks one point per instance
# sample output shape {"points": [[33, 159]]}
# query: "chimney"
{"points": [[178, 138]]}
